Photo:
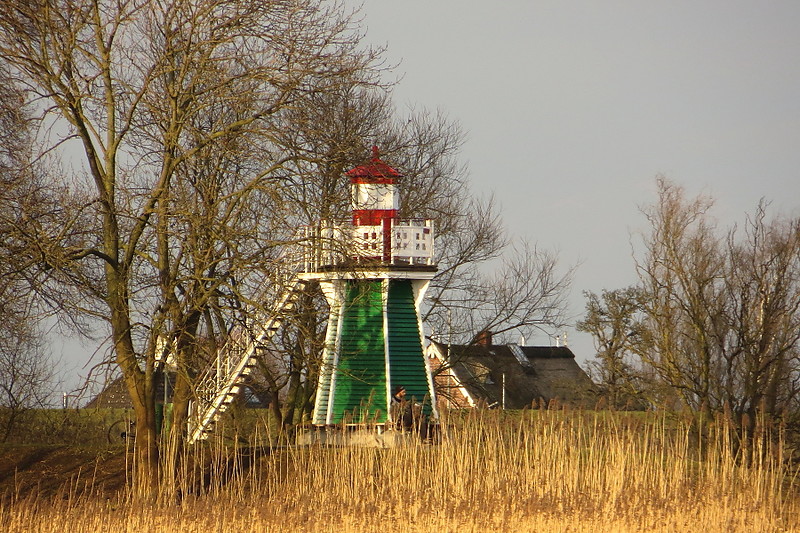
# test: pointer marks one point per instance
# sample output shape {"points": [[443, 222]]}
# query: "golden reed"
{"points": [[542, 471]]}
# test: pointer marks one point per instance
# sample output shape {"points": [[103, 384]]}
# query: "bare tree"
{"points": [[614, 321], [683, 265], [26, 374], [719, 310], [762, 328], [332, 134], [208, 129], [168, 102], [525, 291]]}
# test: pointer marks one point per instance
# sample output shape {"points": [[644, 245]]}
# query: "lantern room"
{"points": [[375, 234], [374, 195]]}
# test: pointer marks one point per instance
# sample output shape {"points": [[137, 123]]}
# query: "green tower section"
{"points": [[406, 357], [360, 374]]}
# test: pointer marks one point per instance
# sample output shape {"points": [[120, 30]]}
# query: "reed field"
{"points": [[546, 471]]}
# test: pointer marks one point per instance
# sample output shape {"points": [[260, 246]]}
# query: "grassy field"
{"points": [[545, 471], [68, 427]]}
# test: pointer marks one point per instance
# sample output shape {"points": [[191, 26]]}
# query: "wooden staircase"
{"points": [[220, 384]]}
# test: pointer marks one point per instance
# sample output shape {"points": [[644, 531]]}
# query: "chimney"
{"points": [[484, 338]]}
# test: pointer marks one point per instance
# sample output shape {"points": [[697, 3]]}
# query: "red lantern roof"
{"points": [[376, 171]]}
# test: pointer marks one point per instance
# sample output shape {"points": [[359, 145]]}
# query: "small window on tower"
{"points": [[374, 235], [366, 235]]}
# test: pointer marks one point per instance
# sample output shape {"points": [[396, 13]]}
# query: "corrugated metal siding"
{"points": [[406, 358], [361, 372]]}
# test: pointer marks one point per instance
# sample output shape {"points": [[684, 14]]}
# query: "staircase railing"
{"points": [[220, 384]]}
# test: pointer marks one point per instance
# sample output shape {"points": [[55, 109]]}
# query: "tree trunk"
{"points": [[146, 453], [140, 388]]}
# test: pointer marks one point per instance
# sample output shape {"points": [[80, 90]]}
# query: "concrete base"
{"points": [[372, 436]]}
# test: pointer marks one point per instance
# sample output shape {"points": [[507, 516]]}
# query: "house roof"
{"points": [[525, 375], [115, 394]]}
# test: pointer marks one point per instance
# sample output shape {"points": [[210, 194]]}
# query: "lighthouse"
{"points": [[374, 270]]}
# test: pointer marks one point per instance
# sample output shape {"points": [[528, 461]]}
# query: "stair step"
{"points": [[220, 392]]}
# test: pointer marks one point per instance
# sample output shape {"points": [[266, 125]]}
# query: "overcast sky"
{"points": [[572, 108]]}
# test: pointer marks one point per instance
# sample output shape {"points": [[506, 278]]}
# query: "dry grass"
{"points": [[553, 471]]}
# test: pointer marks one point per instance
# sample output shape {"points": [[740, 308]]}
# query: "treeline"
{"points": [[713, 323]]}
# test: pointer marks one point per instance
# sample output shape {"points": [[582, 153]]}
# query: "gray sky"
{"points": [[572, 108]]}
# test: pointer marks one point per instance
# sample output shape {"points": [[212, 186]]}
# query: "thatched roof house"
{"points": [[508, 375], [256, 392], [115, 394]]}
